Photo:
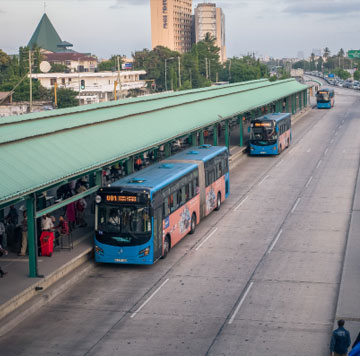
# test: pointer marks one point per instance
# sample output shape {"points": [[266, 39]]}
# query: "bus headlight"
{"points": [[144, 252], [252, 148], [98, 199]]}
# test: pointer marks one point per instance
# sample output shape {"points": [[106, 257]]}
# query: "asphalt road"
{"points": [[259, 277]]}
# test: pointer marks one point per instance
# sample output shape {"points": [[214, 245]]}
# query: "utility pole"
{"points": [[206, 69], [179, 72], [30, 72], [119, 78]]}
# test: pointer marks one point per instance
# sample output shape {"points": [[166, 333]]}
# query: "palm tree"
{"points": [[326, 53], [341, 55]]}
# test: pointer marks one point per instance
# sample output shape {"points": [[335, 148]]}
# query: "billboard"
{"points": [[354, 54]]}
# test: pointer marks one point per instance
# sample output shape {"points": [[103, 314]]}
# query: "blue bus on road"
{"points": [[270, 134], [140, 217], [325, 98]]}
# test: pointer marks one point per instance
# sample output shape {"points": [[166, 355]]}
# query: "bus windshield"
{"points": [[263, 131], [323, 97], [123, 225]]}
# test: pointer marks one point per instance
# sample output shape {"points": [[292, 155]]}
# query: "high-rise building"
{"points": [[211, 19], [171, 24]]}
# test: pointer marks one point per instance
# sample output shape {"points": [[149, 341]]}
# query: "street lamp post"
{"points": [[166, 59]]}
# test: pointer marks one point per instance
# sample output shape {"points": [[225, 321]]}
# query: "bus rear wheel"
{"points": [[166, 246], [193, 224], [218, 202]]}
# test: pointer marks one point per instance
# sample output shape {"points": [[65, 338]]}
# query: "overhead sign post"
{"points": [[354, 54]]}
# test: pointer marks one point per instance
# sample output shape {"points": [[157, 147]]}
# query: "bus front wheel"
{"points": [[218, 202], [193, 223], [166, 246]]}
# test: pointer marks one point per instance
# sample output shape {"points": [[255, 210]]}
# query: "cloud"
{"points": [[323, 8], [120, 4]]}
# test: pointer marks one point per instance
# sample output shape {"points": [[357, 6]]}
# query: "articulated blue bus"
{"points": [[270, 134], [140, 217], [325, 98]]}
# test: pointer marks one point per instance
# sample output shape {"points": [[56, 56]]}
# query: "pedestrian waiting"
{"points": [[2, 252], [340, 340], [24, 240]]}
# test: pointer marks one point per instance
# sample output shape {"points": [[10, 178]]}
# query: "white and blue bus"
{"points": [[325, 98], [140, 217], [270, 134]]}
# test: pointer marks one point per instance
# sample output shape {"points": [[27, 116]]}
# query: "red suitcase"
{"points": [[47, 243]]}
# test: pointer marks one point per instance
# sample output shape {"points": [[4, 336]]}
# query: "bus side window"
{"points": [[183, 196], [166, 207], [187, 192]]}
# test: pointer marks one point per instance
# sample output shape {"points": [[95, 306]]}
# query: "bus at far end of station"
{"points": [[139, 218], [270, 134], [325, 98]]}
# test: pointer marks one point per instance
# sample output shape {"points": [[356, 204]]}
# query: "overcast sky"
{"points": [[278, 28]]}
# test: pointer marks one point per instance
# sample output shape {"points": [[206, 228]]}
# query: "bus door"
{"points": [[158, 233]]}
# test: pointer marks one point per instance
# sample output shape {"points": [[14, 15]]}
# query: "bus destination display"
{"points": [[115, 198], [263, 124]]}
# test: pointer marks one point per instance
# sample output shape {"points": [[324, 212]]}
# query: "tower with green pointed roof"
{"points": [[46, 37]]}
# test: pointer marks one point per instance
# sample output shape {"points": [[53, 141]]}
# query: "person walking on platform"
{"points": [[2, 232], [340, 340], [24, 235], [2, 252]]}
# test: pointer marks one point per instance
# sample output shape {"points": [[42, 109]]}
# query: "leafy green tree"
{"points": [[312, 62], [59, 68], [66, 98], [111, 64], [357, 75]]}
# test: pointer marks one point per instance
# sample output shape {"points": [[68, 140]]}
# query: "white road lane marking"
{"points": [[309, 181], [212, 233], [279, 164], [241, 203], [296, 204], [332, 141], [241, 302], [309, 150], [148, 300], [336, 133], [318, 165], [262, 181], [326, 151], [275, 241], [343, 121], [17, 260]]}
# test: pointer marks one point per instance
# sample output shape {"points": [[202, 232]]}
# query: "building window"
{"points": [[52, 81]]}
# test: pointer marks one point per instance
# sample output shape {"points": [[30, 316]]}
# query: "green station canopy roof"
{"points": [[41, 149]]}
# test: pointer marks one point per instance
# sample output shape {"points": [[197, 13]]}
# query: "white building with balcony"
{"points": [[95, 87]]}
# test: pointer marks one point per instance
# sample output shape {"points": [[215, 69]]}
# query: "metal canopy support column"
{"points": [[32, 239], [201, 137], [215, 134], [305, 98], [296, 104], [129, 166], [167, 149], [292, 104], [300, 100], [194, 139], [98, 175], [241, 131], [287, 104], [227, 138]]}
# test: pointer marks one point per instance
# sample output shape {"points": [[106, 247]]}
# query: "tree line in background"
{"points": [[336, 64], [168, 70]]}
